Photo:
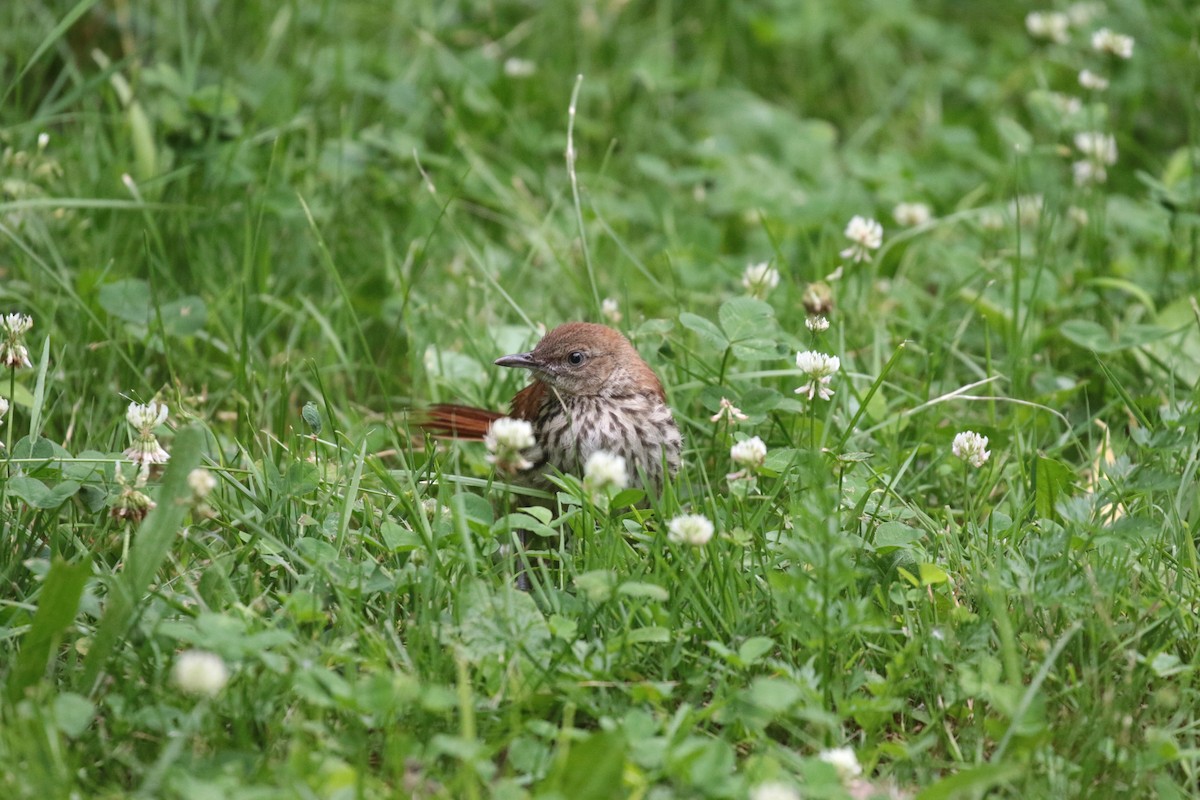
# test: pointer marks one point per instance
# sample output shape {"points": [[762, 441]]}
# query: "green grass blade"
{"points": [[59, 30], [57, 605], [151, 544]]}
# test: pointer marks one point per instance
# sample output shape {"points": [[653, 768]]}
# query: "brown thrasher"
{"points": [[591, 391]]}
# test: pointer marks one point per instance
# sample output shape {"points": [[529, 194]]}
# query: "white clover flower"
{"points": [[519, 68], [132, 504], [1098, 146], [505, 439], [844, 761], [749, 453], [1092, 80], [866, 235], [759, 279], [817, 324], [3, 407], [1068, 105], [201, 482], [774, 791], [991, 220], [147, 450], [820, 369], [16, 324], [605, 471], [611, 310], [1081, 14], [971, 448], [201, 673], [1078, 215], [13, 353], [818, 299], [1027, 208], [14, 356], [728, 411], [144, 418], [509, 433], [1050, 25], [911, 214], [1087, 173], [693, 529], [1119, 45]]}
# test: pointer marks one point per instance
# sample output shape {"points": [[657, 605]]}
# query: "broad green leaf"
{"points": [[1179, 352], [895, 535], [755, 648], [628, 497], [650, 633], [749, 325], [499, 623], [1167, 664], [755, 350], [300, 478], [593, 768], [316, 551], [127, 299], [639, 589], [521, 522], [37, 495], [704, 762], [40, 448], [73, 714], [596, 585], [932, 574], [30, 490], [563, 627], [746, 318], [1093, 336], [452, 367], [774, 694], [708, 332], [473, 508], [185, 316], [654, 328], [780, 459], [399, 539], [757, 400], [91, 465], [1014, 135], [540, 513], [304, 606]]}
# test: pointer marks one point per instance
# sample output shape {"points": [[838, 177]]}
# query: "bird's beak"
{"points": [[521, 360]]}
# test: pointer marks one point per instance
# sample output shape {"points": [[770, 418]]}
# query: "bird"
{"points": [[591, 392]]}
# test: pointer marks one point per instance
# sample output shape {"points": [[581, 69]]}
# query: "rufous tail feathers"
{"points": [[452, 421]]}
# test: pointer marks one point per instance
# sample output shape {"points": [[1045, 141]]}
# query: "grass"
{"points": [[292, 222]]}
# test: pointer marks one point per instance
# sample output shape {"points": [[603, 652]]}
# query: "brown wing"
{"points": [[528, 402], [451, 421]]}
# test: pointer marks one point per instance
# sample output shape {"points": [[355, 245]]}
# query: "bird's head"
{"points": [[585, 359]]}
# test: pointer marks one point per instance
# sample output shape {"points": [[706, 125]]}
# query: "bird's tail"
{"points": [[452, 421]]}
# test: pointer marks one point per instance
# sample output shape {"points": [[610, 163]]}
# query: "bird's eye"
{"points": [[575, 359]]}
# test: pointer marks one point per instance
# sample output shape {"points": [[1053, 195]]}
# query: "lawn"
{"points": [[920, 280]]}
